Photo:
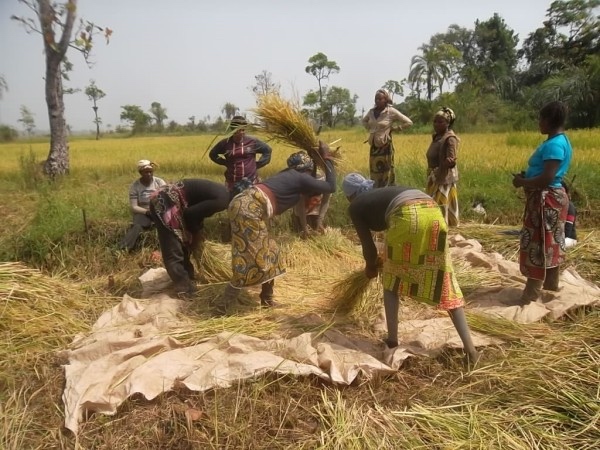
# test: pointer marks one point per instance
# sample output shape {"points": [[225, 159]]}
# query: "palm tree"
{"points": [[429, 67]]}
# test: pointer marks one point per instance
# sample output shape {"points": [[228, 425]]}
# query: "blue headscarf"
{"points": [[355, 183]]}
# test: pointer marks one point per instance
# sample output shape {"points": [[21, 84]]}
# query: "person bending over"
{"points": [[417, 263]]}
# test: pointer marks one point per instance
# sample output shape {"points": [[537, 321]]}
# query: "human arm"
{"points": [[300, 212], [399, 120], [310, 185], [217, 153], [365, 120], [265, 151], [323, 211], [372, 262], [135, 208], [134, 196], [541, 181]]}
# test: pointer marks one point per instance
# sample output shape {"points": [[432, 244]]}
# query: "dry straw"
{"points": [[348, 293], [285, 122], [213, 262]]}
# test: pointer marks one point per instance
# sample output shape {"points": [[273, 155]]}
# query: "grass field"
{"points": [[539, 391]]}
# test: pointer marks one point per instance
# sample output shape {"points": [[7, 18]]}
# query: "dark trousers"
{"points": [[140, 223], [176, 257]]}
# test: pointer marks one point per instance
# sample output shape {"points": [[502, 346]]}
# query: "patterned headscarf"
{"points": [[355, 183], [144, 164], [386, 94], [447, 114], [300, 161]]}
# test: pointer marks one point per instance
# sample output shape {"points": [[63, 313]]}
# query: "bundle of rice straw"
{"points": [[285, 122], [214, 266], [348, 292]]}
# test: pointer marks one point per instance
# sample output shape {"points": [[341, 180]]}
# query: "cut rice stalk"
{"points": [[349, 292], [285, 122], [214, 264]]}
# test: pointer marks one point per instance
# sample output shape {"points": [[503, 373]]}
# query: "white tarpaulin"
{"points": [[133, 349]]}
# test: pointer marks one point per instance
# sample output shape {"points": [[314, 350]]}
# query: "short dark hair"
{"points": [[555, 113], [238, 122]]}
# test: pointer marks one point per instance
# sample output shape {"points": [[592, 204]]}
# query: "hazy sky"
{"points": [[193, 56]]}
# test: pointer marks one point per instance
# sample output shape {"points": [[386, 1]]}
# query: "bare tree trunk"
{"points": [[95, 108], [58, 158]]}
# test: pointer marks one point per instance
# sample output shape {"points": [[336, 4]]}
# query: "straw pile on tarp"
{"points": [[39, 314], [213, 262], [284, 121]]}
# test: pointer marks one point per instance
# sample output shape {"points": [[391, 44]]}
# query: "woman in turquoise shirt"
{"points": [[542, 245]]}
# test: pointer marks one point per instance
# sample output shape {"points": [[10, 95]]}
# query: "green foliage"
{"points": [[137, 118], [8, 133], [27, 120], [159, 113], [31, 171], [230, 110]]}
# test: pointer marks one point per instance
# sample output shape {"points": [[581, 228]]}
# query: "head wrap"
{"points": [[447, 114], [355, 183], [238, 122], [144, 164], [300, 161], [386, 94]]}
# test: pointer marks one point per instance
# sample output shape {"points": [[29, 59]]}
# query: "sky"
{"points": [[193, 56]]}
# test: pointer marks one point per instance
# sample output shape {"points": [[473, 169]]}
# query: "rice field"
{"points": [[539, 390]]}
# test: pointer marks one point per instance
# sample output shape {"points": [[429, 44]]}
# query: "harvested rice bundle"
{"points": [[214, 265], [285, 122], [349, 292]]}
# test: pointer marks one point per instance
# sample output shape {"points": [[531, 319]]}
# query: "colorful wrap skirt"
{"points": [[446, 196], [255, 257], [542, 244], [169, 202], [418, 262], [381, 165]]}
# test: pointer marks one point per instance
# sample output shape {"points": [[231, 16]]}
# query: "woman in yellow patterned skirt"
{"points": [[442, 173], [255, 255], [381, 121]]}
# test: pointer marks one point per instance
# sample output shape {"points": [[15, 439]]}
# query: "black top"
{"points": [[367, 212], [204, 198], [289, 184]]}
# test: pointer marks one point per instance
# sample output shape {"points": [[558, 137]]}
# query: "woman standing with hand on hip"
{"points": [[442, 173], [542, 245], [381, 121]]}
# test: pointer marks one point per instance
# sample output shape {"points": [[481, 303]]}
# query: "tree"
{"points": [[137, 118], [394, 88], [571, 33], [491, 58], [265, 84], [3, 86], [159, 113], [7, 133], [321, 68], [230, 110], [94, 93], [339, 105], [429, 68], [53, 19], [27, 120]]}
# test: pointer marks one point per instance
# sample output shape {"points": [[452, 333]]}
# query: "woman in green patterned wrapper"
{"points": [[417, 261], [442, 173], [381, 121]]}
